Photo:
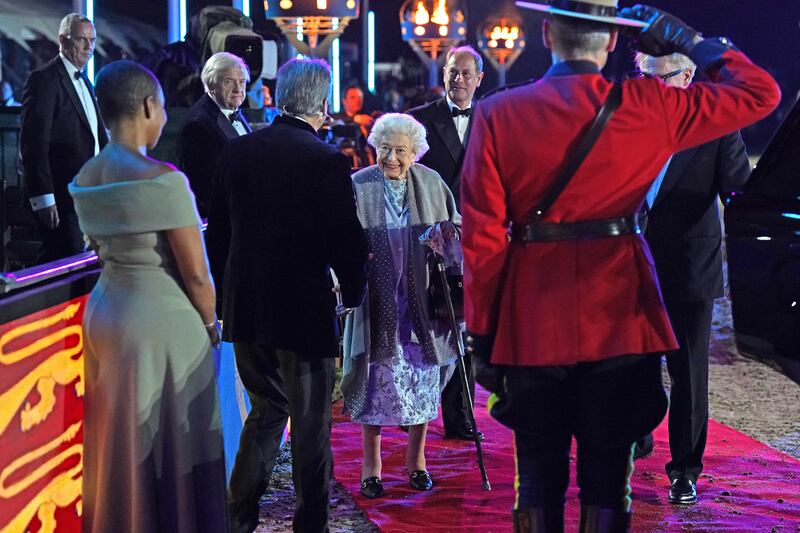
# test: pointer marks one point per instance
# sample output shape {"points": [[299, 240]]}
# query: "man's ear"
{"points": [[148, 102], [612, 40], [480, 78], [546, 39]]}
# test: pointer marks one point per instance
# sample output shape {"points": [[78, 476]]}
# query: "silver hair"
{"points": [[302, 86], [399, 123], [647, 63], [466, 49], [579, 37], [69, 22], [218, 63]]}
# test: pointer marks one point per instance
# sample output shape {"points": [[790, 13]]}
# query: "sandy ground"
{"points": [[744, 394]]}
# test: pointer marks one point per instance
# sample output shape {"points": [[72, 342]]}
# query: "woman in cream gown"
{"points": [[152, 440]]}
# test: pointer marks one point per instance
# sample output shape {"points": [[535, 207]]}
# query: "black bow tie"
{"points": [[78, 74], [236, 115], [456, 112]]}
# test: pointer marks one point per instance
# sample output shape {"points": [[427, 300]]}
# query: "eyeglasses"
{"points": [[399, 151], [665, 77]]}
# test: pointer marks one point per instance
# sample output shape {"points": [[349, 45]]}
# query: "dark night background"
{"points": [[767, 30]]}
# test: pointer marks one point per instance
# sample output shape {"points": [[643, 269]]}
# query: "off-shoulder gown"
{"points": [[153, 459]]}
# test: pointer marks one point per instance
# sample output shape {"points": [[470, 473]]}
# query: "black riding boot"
{"points": [[539, 519], [596, 519]]}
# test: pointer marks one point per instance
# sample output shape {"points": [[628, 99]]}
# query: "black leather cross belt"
{"points": [[570, 231]]}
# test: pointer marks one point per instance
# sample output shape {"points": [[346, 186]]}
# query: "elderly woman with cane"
{"points": [[396, 353]]}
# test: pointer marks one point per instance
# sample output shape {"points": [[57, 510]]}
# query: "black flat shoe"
{"points": [[421, 480], [682, 491], [372, 487], [465, 433]]}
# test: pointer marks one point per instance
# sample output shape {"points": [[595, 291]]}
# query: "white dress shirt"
{"points": [[461, 121], [237, 125], [85, 97]]}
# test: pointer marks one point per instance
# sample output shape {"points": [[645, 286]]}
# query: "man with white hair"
{"points": [[283, 214], [684, 235], [212, 122], [60, 130]]}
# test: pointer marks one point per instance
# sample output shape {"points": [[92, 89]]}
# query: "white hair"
{"points": [[218, 63], [399, 123], [302, 86], [647, 63], [69, 22]]}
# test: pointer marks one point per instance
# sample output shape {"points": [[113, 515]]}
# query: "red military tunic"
{"points": [[561, 303]]}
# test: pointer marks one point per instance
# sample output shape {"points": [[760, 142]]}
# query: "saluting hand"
{"points": [[665, 34]]}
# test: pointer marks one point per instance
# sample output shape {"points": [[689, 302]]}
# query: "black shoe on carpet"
{"points": [[421, 480], [682, 491], [372, 487]]}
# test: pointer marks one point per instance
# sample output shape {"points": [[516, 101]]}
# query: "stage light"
{"points": [[371, 51], [90, 16], [336, 68], [501, 40], [243, 6], [431, 27], [304, 21]]}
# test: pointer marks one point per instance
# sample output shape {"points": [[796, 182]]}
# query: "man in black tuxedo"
{"points": [[60, 130], [284, 202], [447, 119], [684, 234], [212, 122], [447, 122]]}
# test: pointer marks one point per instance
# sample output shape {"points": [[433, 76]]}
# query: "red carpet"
{"points": [[746, 486]]}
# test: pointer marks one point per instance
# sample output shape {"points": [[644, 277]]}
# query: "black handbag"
{"points": [[436, 297]]}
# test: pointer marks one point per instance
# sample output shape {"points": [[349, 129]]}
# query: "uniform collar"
{"points": [[572, 67]]}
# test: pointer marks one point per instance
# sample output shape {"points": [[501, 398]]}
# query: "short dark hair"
{"points": [[121, 88], [350, 88], [578, 35]]}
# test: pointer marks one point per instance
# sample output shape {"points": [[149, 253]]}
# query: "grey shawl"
{"points": [[370, 331]]}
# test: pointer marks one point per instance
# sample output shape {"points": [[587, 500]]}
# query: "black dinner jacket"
{"points": [[55, 136], [446, 153], [203, 135], [283, 211], [683, 227]]}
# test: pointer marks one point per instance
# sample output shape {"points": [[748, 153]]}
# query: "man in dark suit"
{"points": [[284, 202], [684, 234], [212, 122], [447, 122], [60, 130]]}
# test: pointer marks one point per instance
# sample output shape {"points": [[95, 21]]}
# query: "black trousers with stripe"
{"points": [[605, 405]]}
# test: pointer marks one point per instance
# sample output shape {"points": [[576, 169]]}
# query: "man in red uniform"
{"points": [[579, 315]]}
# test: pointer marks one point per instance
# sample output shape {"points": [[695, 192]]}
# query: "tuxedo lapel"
{"points": [[446, 129], [675, 170], [220, 119], [69, 88]]}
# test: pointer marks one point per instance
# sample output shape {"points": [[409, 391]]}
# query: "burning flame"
{"points": [[505, 33], [440, 13], [421, 16]]}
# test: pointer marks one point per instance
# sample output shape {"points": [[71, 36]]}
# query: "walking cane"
{"points": [[462, 369]]}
